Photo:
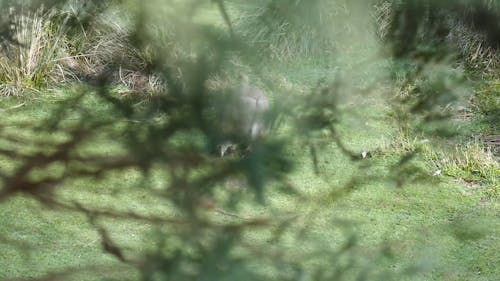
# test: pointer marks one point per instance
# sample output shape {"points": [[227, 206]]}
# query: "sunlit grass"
{"points": [[418, 230], [433, 225]]}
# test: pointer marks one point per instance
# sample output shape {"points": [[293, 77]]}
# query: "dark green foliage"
{"points": [[487, 102], [173, 131], [434, 29]]}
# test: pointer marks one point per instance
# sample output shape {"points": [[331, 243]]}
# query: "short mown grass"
{"points": [[411, 226], [431, 227]]}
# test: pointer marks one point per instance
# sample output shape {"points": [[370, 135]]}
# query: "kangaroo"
{"points": [[249, 108]]}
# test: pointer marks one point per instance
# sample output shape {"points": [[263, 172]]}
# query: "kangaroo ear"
{"points": [[222, 150]]}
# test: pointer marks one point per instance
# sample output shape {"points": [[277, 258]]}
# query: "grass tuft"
{"points": [[471, 162], [31, 60]]}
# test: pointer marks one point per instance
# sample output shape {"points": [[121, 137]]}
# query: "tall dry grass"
{"points": [[33, 59], [53, 47], [291, 29]]}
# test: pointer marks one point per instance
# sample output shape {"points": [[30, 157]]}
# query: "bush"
{"points": [[167, 139], [468, 28]]}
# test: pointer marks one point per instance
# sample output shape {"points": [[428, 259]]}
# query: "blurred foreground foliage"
{"points": [[168, 61]]}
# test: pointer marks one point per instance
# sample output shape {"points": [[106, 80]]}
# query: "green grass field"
{"points": [[438, 228], [354, 212]]}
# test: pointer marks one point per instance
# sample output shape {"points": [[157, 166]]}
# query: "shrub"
{"points": [[466, 27]]}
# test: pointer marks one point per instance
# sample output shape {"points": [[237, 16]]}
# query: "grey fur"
{"points": [[247, 113]]}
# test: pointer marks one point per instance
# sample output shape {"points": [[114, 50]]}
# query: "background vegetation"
{"points": [[381, 161]]}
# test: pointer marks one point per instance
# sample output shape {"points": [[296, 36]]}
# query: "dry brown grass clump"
{"points": [[33, 58], [53, 47]]}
